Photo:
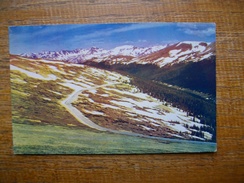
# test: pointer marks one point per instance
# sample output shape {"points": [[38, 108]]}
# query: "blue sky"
{"points": [[28, 39]]}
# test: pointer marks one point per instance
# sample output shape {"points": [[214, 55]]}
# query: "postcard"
{"points": [[116, 88]]}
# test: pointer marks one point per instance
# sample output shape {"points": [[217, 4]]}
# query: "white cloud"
{"points": [[197, 29], [142, 41], [201, 33], [108, 32], [138, 26]]}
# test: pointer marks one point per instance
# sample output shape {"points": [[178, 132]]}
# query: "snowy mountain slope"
{"points": [[160, 55], [180, 52]]}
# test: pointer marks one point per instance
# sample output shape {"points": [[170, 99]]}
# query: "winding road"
{"points": [[67, 103]]}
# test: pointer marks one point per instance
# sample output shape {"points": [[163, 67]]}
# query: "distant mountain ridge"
{"points": [[98, 54], [187, 64], [159, 55]]}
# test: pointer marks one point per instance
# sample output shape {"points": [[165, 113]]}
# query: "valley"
{"points": [[117, 97], [106, 98]]}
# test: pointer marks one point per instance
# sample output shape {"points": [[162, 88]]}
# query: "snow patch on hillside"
{"points": [[33, 74]]}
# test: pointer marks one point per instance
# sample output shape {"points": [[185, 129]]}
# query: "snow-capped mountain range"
{"points": [[160, 55]]}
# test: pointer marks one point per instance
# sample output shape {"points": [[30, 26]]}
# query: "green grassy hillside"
{"points": [[49, 139]]}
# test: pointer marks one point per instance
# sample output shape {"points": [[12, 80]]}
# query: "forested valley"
{"points": [[192, 77]]}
